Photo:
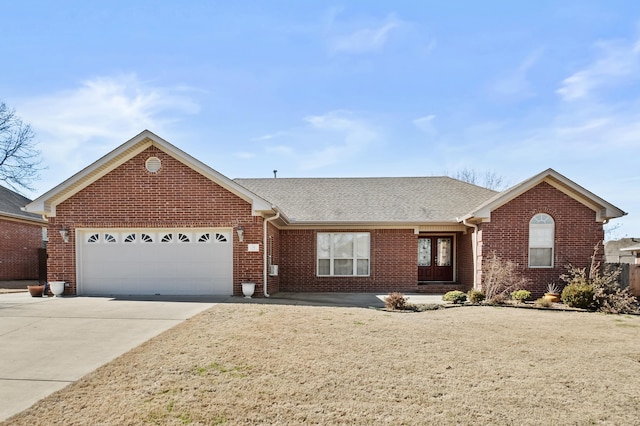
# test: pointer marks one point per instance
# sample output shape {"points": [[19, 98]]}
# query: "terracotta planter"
{"points": [[552, 297], [36, 290]]}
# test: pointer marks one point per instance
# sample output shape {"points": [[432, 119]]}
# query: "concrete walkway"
{"points": [[47, 343]]}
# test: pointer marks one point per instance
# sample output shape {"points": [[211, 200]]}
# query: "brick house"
{"points": [[21, 236], [147, 218]]}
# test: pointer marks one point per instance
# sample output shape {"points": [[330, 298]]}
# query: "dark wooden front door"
{"points": [[435, 258]]}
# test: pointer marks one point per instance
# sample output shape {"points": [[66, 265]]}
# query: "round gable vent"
{"points": [[153, 164]]}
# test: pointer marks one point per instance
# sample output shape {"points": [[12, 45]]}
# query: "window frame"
{"points": [[355, 256], [548, 225]]}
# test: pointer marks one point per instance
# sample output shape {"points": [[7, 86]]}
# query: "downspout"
{"points": [[265, 265], [474, 250]]}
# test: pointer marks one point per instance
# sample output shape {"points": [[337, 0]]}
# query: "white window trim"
{"points": [[355, 257], [552, 225]]}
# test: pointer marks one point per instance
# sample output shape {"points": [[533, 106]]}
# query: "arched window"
{"points": [[541, 236]]}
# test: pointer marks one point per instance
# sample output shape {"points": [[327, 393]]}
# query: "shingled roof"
{"points": [[11, 204], [423, 200]]}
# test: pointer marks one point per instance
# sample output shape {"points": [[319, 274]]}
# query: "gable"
{"points": [[131, 193], [47, 203], [603, 210]]}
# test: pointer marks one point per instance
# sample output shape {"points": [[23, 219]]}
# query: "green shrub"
{"points": [[475, 296], [455, 296], [608, 295], [521, 295], [395, 301], [578, 295], [423, 307]]}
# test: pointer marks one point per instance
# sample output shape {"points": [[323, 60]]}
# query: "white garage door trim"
{"points": [[150, 261]]}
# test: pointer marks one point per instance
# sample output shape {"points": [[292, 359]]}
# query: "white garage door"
{"points": [[155, 261]]}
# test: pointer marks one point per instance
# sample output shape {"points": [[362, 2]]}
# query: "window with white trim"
{"points": [[541, 236], [343, 254]]}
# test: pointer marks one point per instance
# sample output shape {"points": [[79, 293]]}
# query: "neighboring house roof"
{"points": [[621, 251], [11, 204], [46, 203], [603, 209], [408, 200]]}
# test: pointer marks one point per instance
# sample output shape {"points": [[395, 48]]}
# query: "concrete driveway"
{"points": [[47, 343]]}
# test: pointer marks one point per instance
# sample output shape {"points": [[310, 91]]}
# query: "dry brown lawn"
{"points": [[276, 364]]}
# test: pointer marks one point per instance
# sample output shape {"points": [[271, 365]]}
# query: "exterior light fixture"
{"points": [[240, 231], [64, 233]]}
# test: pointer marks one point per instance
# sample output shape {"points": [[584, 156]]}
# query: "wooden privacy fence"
{"points": [[630, 277]]}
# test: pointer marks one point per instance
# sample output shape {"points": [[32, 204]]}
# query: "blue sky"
{"points": [[311, 88]]}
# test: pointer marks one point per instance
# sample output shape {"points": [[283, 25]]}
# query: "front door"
{"points": [[435, 258]]}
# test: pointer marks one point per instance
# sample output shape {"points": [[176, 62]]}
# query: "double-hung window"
{"points": [[343, 253], [541, 236]]}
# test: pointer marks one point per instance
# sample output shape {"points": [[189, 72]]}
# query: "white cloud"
{"points": [[365, 39], [616, 63], [425, 123], [326, 139], [244, 155], [515, 84], [281, 150], [346, 136], [268, 136], [76, 126], [429, 47]]}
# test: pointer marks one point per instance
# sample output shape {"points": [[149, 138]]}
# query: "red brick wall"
{"points": [[393, 264], [176, 196], [19, 244], [576, 233], [464, 261]]}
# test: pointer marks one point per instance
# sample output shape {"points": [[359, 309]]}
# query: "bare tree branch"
{"points": [[19, 159], [489, 180]]}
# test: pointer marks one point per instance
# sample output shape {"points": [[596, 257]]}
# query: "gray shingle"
{"points": [[11, 203], [396, 199]]}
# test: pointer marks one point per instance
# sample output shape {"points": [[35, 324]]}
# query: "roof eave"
{"points": [[21, 218], [360, 223]]}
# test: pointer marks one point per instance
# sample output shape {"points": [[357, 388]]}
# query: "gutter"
{"points": [[265, 261], [25, 218], [474, 249]]}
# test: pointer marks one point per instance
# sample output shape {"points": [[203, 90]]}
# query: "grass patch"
{"points": [[307, 365]]}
